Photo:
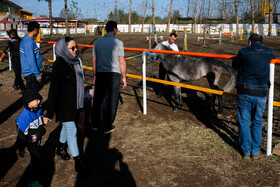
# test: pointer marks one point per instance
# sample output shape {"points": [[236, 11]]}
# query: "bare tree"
{"points": [[208, 16], [50, 15], [169, 15], [189, 8], [253, 15], [270, 18], [201, 10], [275, 5], [195, 10], [129, 17], [236, 15], [154, 19], [225, 11], [144, 16], [66, 17]]}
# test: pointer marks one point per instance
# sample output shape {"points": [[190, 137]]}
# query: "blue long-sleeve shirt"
{"points": [[30, 57]]}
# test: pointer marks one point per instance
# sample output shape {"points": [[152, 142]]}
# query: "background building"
{"points": [[13, 13]]}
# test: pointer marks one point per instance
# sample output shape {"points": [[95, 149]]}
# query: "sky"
{"points": [[101, 8]]}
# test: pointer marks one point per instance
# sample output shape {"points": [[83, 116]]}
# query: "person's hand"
{"points": [[124, 82], [46, 120], [39, 79]]}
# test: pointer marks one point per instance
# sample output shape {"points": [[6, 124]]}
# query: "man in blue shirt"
{"points": [[253, 84], [30, 57]]}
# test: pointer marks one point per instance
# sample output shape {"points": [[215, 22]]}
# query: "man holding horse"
{"points": [[162, 72], [252, 63]]}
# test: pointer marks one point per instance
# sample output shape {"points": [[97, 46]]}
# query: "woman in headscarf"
{"points": [[66, 97]]}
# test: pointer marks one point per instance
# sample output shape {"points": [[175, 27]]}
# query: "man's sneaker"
{"points": [[113, 127], [255, 157], [246, 157], [94, 128]]}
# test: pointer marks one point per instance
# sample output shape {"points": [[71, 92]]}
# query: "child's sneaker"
{"points": [[34, 184], [21, 153], [108, 131]]}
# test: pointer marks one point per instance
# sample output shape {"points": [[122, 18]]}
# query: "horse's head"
{"points": [[157, 46]]}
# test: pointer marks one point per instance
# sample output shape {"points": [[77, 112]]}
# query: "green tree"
{"points": [[175, 15], [75, 10], [73, 13], [135, 18], [111, 16], [122, 17]]}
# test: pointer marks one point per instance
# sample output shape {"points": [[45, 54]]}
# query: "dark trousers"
{"points": [[106, 99], [31, 82], [18, 80], [35, 153]]}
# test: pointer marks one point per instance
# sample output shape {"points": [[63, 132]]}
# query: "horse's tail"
{"points": [[232, 81]]}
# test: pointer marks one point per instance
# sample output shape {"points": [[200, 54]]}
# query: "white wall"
{"points": [[214, 28]]}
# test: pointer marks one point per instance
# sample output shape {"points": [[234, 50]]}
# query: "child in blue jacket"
{"points": [[30, 131]]}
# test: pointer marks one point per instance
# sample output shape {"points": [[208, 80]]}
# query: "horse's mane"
{"points": [[163, 46], [166, 47]]}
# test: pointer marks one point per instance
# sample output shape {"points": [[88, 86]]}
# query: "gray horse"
{"points": [[184, 68]]}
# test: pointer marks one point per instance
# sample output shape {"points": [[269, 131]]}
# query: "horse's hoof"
{"points": [[175, 109]]}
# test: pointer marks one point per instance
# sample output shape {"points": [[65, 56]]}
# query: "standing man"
{"points": [[162, 72], [109, 68], [13, 47], [253, 84], [30, 57]]}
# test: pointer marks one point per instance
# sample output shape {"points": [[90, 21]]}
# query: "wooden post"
{"points": [[155, 33], [38, 38], [102, 32], [241, 33], [150, 37], [186, 38], [220, 35], [231, 34]]}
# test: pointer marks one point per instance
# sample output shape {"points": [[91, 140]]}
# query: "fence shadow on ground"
{"points": [[209, 118], [105, 166], [14, 107], [8, 159]]}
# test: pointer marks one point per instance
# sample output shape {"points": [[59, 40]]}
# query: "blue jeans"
{"points": [[250, 108], [68, 133]]}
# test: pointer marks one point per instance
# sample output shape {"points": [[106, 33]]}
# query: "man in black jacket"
{"points": [[13, 47]]}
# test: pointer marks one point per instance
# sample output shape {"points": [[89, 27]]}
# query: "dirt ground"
{"points": [[190, 147]]}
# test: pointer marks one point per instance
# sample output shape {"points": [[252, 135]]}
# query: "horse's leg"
{"points": [[177, 93], [218, 74], [211, 78], [178, 98]]}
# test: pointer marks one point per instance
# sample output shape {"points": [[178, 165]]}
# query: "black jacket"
{"points": [[13, 47], [62, 99]]}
